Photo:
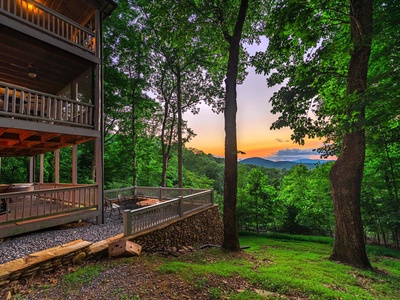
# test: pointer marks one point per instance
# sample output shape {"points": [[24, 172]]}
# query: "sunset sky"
{"points": [[253, 122]]}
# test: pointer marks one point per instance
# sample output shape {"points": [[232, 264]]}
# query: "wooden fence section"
{"points": [[151, 216], [23, 206], [23, 103], [161, 193], [52, 23]]}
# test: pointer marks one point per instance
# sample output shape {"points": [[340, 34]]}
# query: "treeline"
{"points": [[296, 201]]}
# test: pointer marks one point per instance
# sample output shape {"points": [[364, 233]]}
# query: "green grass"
{"points": [[291, 266], [82, 275]]}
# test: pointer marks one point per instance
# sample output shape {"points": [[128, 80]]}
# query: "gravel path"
{"points": [[87, 230]]}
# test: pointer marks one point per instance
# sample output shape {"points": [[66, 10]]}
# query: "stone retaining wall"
{"points": [[203, 227]]}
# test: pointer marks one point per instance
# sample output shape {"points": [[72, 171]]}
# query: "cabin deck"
{"points": [[40, 208]]}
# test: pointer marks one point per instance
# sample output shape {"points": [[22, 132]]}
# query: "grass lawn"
{"points": [[285, 266], [276, 266]]}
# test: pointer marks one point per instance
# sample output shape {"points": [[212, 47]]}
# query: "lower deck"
{"points": [[44, 207]]}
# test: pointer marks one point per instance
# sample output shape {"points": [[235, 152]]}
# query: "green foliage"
{"points": [[256, 201], [14, 169], [308, 201]]}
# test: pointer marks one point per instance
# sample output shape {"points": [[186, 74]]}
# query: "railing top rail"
{"points": [[19, 194], [118, 190], [168, 202], [58, 15], [152, 207], [205, 192], [9, 85]]}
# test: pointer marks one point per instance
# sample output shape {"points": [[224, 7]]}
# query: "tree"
{"points": [[349, 246], [127, 67], [184, 58], [261, 198], [332, 42]]}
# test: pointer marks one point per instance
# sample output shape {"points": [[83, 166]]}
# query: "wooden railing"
{"points": [[161, 193], [51, 22], [23, 103], [151, 216], [21, 206]]}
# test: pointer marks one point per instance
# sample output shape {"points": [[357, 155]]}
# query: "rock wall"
{"points": [[195, 230], [203, 227]]}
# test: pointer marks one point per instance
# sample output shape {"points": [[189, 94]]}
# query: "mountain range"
{"points": [[258, 161]]}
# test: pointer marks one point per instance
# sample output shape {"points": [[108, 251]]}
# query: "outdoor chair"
{"points": [[109, 204]]}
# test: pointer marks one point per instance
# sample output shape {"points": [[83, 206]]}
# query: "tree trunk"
{"points": [[180, 143], [231, 237], [165, 155], [347, 172], [133, 84]]}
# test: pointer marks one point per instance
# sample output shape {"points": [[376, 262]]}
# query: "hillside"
{"points": [[258, 161]]}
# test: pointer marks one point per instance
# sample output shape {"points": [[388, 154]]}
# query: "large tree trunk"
{"points": [[347, 172], [231, 237]]}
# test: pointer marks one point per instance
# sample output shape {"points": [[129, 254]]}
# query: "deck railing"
{"points": [[151, 216], [23, 103], [51, 22], [161, 193], [22, 206]]}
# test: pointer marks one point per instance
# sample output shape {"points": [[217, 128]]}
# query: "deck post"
{"points": [[75, 164], [41, 175], [32, 169], [127, 219], [180, 209], [57, 166]]}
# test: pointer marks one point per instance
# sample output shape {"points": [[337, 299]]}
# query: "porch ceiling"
{"points": [[55, 68], [78, 10], [18, 142]]}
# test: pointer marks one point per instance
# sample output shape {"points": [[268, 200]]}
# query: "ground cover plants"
{"points": [[275, 266]]}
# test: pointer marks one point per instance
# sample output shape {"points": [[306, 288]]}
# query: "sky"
{"points": [[253, 122]]}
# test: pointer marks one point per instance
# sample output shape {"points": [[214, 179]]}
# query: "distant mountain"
{"points": [[312, 161], [258, 161]]}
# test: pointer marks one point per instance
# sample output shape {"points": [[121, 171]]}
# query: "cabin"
{"points": [[51, 97]]}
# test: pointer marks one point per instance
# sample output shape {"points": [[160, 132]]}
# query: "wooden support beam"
{"points": [[41, 175], [75, 164], [32, 169], [57, 166]]}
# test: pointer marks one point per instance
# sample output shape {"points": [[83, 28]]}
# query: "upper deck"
{"points": [[75, 23], [50, 73]]}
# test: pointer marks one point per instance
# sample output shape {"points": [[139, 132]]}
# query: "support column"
{"points": [[75, 164], [41, 175], [32, 169], [99, 122], [57, 166]]}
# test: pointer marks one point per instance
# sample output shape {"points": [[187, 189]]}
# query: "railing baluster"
{"points": [[35, 105], [21, 102], [14, 101], [42, 106], [6, 98], [28, 104]]}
